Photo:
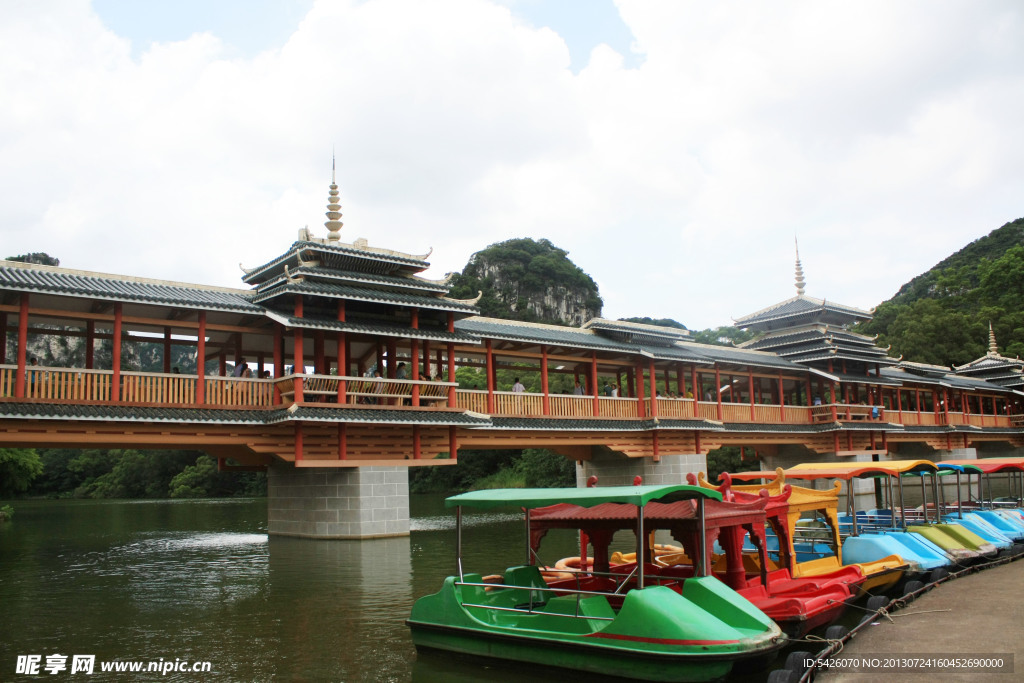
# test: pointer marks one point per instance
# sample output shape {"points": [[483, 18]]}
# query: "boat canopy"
{"points": [[588, 497], [987, 465], [846, 470]]}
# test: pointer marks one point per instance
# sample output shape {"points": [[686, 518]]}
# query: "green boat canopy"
{"points": [[588, 497]]}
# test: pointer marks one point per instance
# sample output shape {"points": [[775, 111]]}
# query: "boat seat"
{"points": [[589, 606]]}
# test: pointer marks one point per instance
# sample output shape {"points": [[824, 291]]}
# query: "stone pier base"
{"points": [[615, 469], [334, 502]]}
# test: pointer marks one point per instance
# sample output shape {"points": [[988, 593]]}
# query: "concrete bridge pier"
{"points": [[337, 502], [615, 469]]}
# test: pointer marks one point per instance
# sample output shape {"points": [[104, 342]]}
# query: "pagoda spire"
{"points": [[333, 214], [799, 270], [993, 349]]}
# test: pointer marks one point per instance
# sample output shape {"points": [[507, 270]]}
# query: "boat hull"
{"points": [[657, 635]]}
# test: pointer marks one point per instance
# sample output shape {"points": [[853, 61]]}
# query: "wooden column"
{"points": [[593, 383], [201, 359], [718, 391], [3, 340], [416, 452], [750, 385], [392, 372], [299, 366], [490, 377], [222, 364], [453, 443], [298, 441], [343, 359], [451, 374], [544, 379], [342, 441], [832, 400], [426, 361], [451, 365], [115, 381], [654, 393], [945, 404], [414, 361], [782, 398], [19, 380], [90, 344], [167, 350], [640, 410]]}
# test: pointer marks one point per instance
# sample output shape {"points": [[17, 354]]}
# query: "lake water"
{"points": [[201, 581]]}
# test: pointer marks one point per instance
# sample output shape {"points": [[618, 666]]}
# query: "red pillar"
{"points": [[544, 379], [342, 441], [167, 350], [593, 383], [654, 396], [19, 381], [414, 361], [750, 385], [718, 390], [782, 399], [298, 441], [343, 359], [115, 382], [453, 443], [640, 410], [3, 339], [299, 365], [201, 360], [490, 377], [451, 374], [832, 400], [416, 453], [90, 344]]}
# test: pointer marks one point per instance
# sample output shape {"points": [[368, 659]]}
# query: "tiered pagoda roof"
{"points": [[806, 330], [994, 368], [380, 287]]}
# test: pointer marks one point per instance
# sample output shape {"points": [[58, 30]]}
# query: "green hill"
{"points": [[942, 316]]}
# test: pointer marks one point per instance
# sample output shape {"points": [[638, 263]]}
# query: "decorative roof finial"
{"points": [[799, 270], [333, 214], [993, 350]]}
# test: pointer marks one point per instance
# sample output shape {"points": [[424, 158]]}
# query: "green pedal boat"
{"points": [[636, 625]]}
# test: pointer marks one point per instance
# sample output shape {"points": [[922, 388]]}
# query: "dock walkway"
{"points": [[977, 615]]}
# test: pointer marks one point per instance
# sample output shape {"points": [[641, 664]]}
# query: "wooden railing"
{"points": [[367, 390], [66, 385]]}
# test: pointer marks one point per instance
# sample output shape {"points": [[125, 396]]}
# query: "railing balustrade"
{"points": [[65, 385]]}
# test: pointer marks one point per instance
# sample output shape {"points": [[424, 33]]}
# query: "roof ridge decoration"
{"points": [[333, 214], [470, 302], [799, 270], [445, 281]]}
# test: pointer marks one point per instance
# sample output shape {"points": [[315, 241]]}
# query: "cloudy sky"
{"points": [[674, 148]]}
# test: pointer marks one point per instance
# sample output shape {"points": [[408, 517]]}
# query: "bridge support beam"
{"points": [[615, 469], [340, 503]]}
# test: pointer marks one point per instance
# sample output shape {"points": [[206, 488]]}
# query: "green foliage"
{"points": [[6, 512], [715, 336], [201, 480], [662, 322], [38, 257], [726, 459], [517, 275], [530, 468], [18, 467]]}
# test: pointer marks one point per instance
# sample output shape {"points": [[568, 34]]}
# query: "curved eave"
{"points": [[352, 278], [331, 291], [373, 329], [336, 257]]}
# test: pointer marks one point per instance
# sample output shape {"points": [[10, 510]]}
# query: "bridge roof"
{"points": [[349, 293], [358, 256], [801, 310], [30, 277]]}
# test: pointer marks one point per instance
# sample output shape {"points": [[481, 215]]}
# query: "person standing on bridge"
{"points": [[518, 387]]}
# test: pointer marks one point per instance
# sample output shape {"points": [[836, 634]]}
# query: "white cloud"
{"points": [[884, 134]]}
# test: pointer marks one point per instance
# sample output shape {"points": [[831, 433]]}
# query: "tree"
{"points": [[18, 467], [38, 257]]}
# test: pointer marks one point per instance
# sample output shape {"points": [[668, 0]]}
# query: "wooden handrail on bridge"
{"points": [[363, 389]]}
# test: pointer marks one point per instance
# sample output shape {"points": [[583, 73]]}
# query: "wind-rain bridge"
{"points": [[353, 356]]}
